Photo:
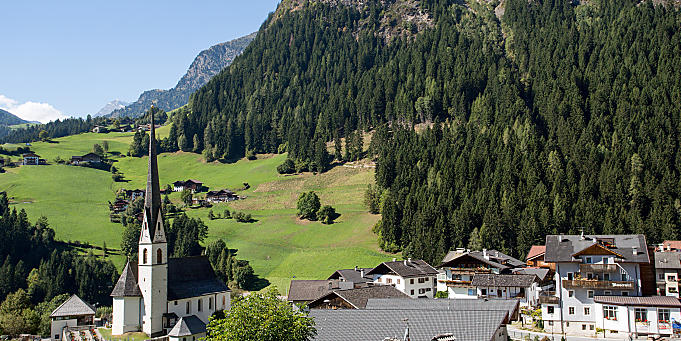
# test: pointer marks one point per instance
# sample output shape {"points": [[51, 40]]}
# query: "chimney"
{"points": [[669, 246], [634, 250], [355, 267], [361, 273], [560, 237], [405, 262], [484, 254], [394, 259]]}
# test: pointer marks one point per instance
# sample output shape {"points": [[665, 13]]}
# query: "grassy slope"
{"points": [[278, 245]]}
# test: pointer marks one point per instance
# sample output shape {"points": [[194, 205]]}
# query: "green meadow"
{"points": [[279, 246]]}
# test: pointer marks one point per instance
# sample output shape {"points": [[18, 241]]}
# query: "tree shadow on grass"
{"points": [[258, 283]]}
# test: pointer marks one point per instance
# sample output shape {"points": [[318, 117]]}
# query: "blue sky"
{"points": [[69, 58]]}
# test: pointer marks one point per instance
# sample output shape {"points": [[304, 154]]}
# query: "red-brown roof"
{"points": [[675, 244], [536, 250]]}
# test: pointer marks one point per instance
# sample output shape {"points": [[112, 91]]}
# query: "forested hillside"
{"points": [[555, 117]]}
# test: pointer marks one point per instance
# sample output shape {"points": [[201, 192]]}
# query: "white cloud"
{"points": [[31, 111]]}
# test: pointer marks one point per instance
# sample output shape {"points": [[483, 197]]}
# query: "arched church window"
{"points": [[159, 256], [144, 256]]}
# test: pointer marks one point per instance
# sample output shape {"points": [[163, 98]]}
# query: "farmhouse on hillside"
{"points": [[31, 159], [222, 195], [89, 157], [158, 293], [74, 315], [415, 278], [192, 185]]}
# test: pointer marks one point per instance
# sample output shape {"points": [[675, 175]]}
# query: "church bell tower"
{"points": [[153, 249]]}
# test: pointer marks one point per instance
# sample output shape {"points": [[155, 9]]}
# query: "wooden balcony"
{"points": [[549, 298], [455, 283], [585, 268], [593, 284]]}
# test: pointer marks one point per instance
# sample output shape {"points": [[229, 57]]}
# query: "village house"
{"points": [[100, 130], [416, 278], [305, 291], [591, 270], [156, 293], [535, 258], [358, 276], [222, 195], [72, 316], [637, 316], [134, 194], [192, 185], [30, 159], [89, 157], [667, 271], [355, 298], [507, 286], [459, 266]]}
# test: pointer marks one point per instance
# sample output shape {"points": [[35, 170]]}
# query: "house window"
{"points": [[590, 294], [640, 315], [549, 309], [56, 336], [571, 310], [587, 311], [200, 302], [422, 280], [389, 280], [174, 302], [159, 256], [569, 276], [483, 292], [625, 293], [398, 281], [571, 293], [471, 292], [551, 323], [210, 303], [412, 292], [411, 281], [624, 277], [422, 291], [589, 275], [606, 277], [588, 260], [610, 312], [584, 327], [607, 293], [144, 256], [188, 308], [671, 278], [663, 315], [223, 302], [591, 327], [660, 277]]}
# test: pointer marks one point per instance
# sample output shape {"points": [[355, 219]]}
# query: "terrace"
{"points": [[596, 284]]}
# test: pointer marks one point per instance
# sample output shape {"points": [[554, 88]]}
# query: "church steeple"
{"points": [[153, 219]]}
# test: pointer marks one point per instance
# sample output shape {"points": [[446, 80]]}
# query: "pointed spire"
{"points": [[152, 197]]}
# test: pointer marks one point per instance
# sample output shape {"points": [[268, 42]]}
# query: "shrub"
{"points": [[308, 205], [226, 214], [211, 216], [288, 167], [250, 155], [441, 294], [326, 214], [243, 217]]}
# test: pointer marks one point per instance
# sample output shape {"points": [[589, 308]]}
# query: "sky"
{"points": [[70, 58]]}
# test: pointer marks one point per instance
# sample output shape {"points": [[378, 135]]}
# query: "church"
{"points": [[159, 295]]}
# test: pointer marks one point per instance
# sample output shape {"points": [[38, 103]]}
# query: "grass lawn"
{"points": [[278, 245], [106, 334]]}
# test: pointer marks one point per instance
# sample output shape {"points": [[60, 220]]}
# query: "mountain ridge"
{"points": [[8, 119], [205, 65], [110, 107]]}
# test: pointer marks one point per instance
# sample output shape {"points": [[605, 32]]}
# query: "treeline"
{"points": [[55, 129], [37, 271]]}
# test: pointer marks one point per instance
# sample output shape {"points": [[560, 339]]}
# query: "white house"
{"points": [[413, 277], [188, 328], [458, 268], [667, 272], [74, 314], [589, 266], [156, 293], [508, 286], [637, 316]]}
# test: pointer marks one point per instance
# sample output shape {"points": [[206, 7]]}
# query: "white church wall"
{"points": [[126, 315], [209, 304]]}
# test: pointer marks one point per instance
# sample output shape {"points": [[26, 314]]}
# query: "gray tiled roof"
{"points": [[352, 275], [127, 283], [358, 297], [647, 301], [509, 306], [562, 248], [668, 260], [405, 268], [308, 290], [494, 280], [376, 325], [453, 256], [74, 306], [192, 277], [186, 326], [541, 273]]}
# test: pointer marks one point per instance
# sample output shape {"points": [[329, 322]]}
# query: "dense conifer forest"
{"points": [[557, 116]]}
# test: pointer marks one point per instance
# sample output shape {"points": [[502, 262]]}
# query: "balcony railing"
{"points": [[584, 268], [548, 297], [455, 283], [594, 284]]}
